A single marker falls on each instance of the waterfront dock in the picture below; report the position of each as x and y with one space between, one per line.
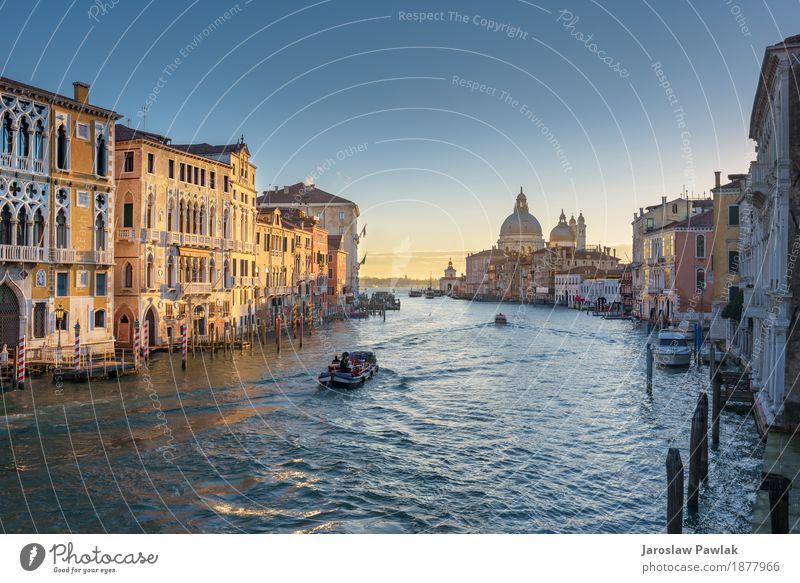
781 465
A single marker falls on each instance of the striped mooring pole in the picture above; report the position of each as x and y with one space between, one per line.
21 363
77 345
183 346
146 341
302 317
136 344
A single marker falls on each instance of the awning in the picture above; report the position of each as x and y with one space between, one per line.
200 253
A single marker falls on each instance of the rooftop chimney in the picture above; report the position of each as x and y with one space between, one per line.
285 190
641 211
664 200
81 92
716 179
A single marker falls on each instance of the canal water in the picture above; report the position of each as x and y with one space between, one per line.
544 425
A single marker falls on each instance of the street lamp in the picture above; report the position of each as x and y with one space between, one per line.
59 323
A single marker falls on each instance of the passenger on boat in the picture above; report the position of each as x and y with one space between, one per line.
344 366
334 365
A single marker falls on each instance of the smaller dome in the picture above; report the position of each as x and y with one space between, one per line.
561 233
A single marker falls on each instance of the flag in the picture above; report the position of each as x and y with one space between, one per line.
363 261
363 232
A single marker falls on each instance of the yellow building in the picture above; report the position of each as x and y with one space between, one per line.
725 258
56 205
185 228
274 264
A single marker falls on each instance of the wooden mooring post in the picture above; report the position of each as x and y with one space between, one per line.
649 366
278 332
712 360
674 491
778 487
302 317
715 409
698 460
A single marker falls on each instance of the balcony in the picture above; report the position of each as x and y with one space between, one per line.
22 253
195 240
759 177
100 257
149 235
174 238
196 288
63 256
126 235
13 162
245 281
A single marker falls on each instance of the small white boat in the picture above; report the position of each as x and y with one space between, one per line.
500 318
672 349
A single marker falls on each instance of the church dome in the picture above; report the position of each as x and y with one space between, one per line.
562 232
521 222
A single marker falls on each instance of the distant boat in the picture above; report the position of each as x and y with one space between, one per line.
430 293
500 318
415 293
672 349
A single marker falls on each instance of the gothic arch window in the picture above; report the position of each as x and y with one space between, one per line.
226 272
171 272
38 228
212 222
700 279
24 138
22 227
194 218
6 231
62 147
213 271
62 236
148 217
150 272
181 217
6 135
203 229
170 212
100 232
38 141
101 156
127 276
700 244
225 226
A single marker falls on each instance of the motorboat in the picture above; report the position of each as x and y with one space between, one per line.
500 318
415 293
363 366
672 349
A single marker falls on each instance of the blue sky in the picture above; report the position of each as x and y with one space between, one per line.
431 126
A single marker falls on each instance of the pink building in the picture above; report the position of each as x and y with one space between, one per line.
677 270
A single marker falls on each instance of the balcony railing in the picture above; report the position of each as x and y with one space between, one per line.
196 240
126 234
759 177
149 235
102 257
22 253
195 288
174 238
14 162
63 256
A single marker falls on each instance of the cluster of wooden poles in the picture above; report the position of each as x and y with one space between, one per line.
698 467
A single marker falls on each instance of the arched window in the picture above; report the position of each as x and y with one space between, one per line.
22 227
170 211
61 147
226 272
212 222
180 217
150 272
148 217
24 138
225 216
194 218
62 238
700 279
100 233
38 141
100 319
6 235
700 244
101 156
171 272
38 228
203 219
127 276
212 275
6 135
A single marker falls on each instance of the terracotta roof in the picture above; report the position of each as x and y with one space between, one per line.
125 134
205 149
51 97
299 194
700 221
